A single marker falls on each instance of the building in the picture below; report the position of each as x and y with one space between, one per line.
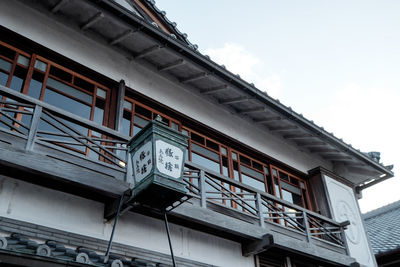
79 77
383 229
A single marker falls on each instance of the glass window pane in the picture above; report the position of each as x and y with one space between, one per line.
277 192
212 145
139 121
16 83
283 176
66 103
223 150
127 105
290 187
253 182
98 115
143 111
185 132
197 138
35 86
207 163
234 156
205 152
174 126
252 172
3 78
292 198
40 65
257 166
245 160
101 93
5 65
126 126
69 90
136 130
63 75
23 60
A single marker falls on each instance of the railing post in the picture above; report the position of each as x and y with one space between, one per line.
342 226
33 127
202 184
259 208
306 227
129 171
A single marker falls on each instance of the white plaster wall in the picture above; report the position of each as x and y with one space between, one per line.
27 202
76 46
344 207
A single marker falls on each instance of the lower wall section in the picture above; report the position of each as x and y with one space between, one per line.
43 213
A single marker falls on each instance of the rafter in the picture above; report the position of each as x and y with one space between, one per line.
194 77
172 65
215 89
92 21
235 100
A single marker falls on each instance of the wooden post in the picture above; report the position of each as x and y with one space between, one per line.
120 106
306 227
259 208
202 184
33 127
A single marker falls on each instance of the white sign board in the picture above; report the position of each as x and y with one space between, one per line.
142 161
169 159
345 208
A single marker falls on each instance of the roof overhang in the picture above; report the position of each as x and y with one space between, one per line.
109 23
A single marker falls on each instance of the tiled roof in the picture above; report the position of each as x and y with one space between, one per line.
383 228
51 249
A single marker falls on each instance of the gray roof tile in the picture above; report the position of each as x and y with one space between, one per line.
383 228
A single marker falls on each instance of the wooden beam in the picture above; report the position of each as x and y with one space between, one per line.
252 110
148 51
323 150
235 100
120 106
298 136
92 21
122 36
213 90
269 119
335 157
57 6
312 144
284 128
194 77
172 65
258 246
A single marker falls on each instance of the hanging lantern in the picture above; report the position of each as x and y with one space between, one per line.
158 157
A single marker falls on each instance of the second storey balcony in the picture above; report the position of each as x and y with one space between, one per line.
49 146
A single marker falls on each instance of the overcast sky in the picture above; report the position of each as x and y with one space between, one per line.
336 62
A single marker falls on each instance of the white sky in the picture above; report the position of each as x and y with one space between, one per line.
336 62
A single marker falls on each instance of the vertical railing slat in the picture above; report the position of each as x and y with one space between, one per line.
202 184
37 112
306 227
260 209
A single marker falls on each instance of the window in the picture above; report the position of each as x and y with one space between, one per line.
47 81
137 115
289 187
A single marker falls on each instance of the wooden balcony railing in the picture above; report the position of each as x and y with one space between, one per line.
41 123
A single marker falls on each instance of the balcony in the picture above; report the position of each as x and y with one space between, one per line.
81 157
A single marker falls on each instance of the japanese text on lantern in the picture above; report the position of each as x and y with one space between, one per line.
169 159
142 161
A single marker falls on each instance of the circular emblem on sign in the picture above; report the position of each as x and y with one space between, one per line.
346 213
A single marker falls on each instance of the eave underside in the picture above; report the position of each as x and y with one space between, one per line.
110 24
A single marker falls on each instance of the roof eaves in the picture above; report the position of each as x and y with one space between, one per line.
382 210
190 51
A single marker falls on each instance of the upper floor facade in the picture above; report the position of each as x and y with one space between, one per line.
80 78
